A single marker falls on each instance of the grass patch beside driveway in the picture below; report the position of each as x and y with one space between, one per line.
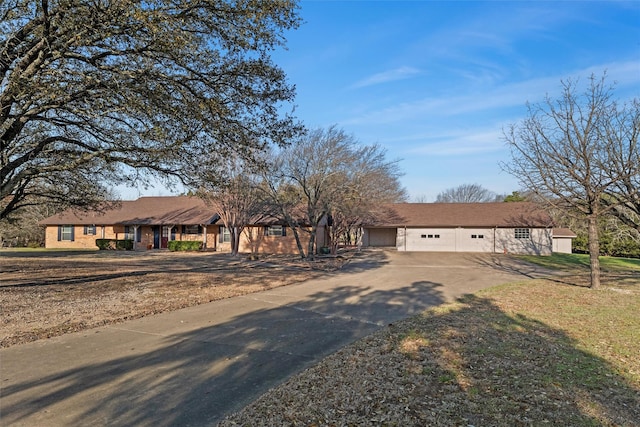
541 352
46 293
580 262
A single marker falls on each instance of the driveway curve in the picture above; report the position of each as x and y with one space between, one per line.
194 366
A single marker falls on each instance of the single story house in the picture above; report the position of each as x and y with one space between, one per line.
519 228
151 222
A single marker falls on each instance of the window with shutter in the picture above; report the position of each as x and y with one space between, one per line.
65 233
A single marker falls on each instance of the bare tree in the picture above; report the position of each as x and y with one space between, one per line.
621 129
97 93
23 228
281 199
235 199
316 165
420 198
466 193
563 151
338 179
328 176
368 183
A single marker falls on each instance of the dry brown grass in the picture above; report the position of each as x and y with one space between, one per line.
46 294
530 354
542 352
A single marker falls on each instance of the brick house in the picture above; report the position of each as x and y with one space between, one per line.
151 222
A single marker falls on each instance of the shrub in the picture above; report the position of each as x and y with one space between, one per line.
126 245
621 247
104 244
113 244
186 245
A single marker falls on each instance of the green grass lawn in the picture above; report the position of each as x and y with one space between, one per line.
568 349
569 262
578 349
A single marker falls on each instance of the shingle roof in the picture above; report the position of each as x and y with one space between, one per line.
166 210
170 210
563 232
513 214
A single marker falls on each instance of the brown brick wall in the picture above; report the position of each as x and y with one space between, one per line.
267 244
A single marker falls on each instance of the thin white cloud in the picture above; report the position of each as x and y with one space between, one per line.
625 74
387 76
474 141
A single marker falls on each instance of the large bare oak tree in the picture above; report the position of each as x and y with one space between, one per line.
579 153
95 92
336 177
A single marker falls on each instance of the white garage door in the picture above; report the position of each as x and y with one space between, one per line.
431 240
447 240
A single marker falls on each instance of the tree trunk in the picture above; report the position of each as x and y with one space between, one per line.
594 251
298 242
235 240
312 242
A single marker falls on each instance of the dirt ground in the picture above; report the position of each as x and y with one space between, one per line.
46 294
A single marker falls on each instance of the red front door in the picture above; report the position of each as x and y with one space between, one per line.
164 238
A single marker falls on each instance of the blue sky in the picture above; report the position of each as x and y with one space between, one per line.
436 82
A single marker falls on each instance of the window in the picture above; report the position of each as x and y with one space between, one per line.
431 236
480 236
522 233
275 230
225 234
437 236
65 232
129 233
474 236
191 229
90 230
423 236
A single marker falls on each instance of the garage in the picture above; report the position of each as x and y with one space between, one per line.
381 237
516 227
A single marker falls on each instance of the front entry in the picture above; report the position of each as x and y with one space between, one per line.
165 237
156 237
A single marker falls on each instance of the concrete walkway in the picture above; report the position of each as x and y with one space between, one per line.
193 366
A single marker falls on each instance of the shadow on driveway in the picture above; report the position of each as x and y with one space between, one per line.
199 376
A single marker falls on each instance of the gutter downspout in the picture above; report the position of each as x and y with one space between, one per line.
494 238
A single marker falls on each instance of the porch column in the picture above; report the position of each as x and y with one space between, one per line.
204 241
135 237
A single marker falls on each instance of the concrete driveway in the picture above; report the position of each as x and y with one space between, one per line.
193 366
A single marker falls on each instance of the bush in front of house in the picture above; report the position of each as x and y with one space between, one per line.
184 245
113 244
